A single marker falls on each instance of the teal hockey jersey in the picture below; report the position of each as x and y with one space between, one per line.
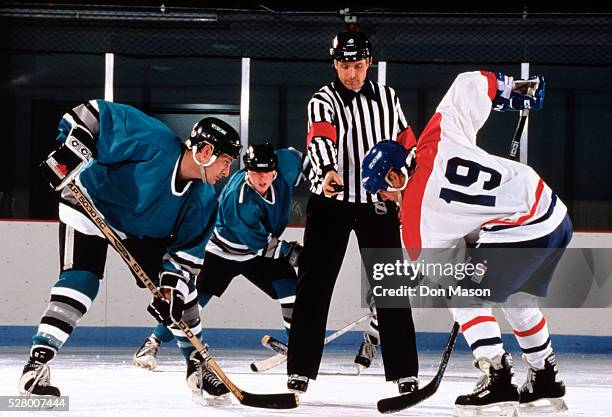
249 224
132 182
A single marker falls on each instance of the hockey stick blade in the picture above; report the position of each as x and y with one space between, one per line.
401 402
268 363
276 401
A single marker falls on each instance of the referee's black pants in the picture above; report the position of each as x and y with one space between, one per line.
328 226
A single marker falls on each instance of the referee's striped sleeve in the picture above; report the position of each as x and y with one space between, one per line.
403 124
321 140
323 156
405 136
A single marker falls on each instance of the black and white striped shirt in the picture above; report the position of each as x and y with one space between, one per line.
343 126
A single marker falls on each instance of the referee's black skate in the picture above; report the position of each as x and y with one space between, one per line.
201 379
366 352
297 384
495 391
36 376
543 391
407 385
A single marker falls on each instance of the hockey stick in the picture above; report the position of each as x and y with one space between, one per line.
524 87
516 139
281 348
281 401
400 402
268 363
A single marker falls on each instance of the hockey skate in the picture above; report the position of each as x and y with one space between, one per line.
205 386
495 393
297 384
366 352
146 356
407 385
36 376
543 390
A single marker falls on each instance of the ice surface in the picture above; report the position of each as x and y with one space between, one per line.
104 383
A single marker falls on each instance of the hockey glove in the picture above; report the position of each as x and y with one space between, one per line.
63 164
293 256
520 94
170 310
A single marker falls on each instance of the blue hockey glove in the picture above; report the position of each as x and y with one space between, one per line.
63 164
520 94
293 256
170 310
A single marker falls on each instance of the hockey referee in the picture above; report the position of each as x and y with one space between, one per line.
345 119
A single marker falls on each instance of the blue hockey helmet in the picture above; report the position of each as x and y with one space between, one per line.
379 161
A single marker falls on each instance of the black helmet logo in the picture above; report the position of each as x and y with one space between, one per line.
217 128
260 158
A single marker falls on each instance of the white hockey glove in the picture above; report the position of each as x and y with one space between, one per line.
63 164
170 310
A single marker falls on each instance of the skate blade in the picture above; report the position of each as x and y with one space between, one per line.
503 409
359 368
205 400
545 405
149 366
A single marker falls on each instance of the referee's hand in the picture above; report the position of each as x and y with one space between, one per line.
331 178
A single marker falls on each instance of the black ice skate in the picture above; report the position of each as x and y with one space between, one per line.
495 392
297 384
543 390
146 356
36 376
407 385
366 352
200 379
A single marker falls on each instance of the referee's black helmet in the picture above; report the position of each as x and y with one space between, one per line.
351 45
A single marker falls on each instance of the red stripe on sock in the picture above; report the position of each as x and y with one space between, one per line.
533 330
475 321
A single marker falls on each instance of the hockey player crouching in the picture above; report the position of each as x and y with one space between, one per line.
448 187
254 211
156 192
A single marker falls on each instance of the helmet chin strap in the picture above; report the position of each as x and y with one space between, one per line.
406 178
202 165
399 200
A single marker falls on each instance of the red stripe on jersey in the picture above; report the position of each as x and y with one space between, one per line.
407 138
533 330
532 212
427 149
477 320
324 129
492 81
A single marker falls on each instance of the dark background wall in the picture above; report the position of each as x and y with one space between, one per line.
53 59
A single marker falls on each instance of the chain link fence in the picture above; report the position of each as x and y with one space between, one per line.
551 39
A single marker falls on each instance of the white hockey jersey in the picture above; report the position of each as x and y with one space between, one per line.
458 188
